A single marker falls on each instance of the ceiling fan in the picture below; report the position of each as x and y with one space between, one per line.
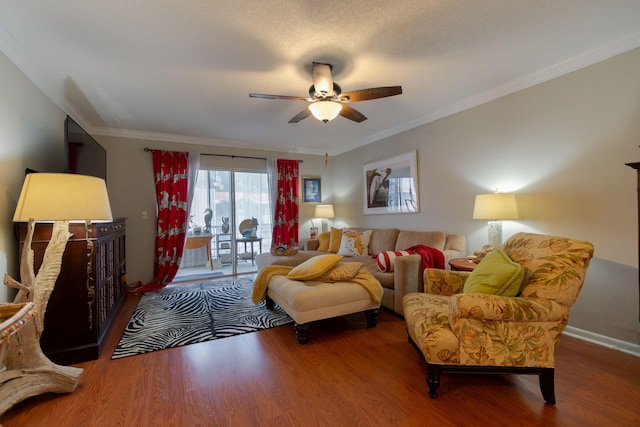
326 99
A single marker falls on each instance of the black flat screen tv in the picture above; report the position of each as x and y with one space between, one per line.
83 154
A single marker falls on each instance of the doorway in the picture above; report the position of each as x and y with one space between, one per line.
229 224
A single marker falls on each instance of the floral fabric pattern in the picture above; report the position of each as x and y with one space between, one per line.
285 223
170 172
453 328
354 242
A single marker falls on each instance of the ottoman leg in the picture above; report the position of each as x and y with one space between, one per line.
302 332
269 303
372 318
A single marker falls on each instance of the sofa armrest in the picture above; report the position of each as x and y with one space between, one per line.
444 282
494 307
310 244
407 278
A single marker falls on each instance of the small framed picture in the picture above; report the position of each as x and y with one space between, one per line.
313 232
311 191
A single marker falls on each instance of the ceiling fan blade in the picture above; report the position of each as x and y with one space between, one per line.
371 93
352 114
322 79
285 97
301 115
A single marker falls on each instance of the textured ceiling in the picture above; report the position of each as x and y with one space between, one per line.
181 70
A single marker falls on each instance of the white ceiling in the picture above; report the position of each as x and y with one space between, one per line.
182 70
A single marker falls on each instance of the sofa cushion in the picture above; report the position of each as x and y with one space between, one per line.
496 274
335 236
383 240
354 242
342 272
407 239
386 259
314 267
323 241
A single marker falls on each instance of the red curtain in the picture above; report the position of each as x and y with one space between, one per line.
170 172
285 225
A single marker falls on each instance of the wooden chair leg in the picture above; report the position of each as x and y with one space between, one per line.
302 332
547 386
372 318
433 380
269 303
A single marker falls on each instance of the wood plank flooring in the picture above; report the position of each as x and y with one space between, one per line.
346 376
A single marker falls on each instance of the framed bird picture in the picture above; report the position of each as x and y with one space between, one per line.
391 185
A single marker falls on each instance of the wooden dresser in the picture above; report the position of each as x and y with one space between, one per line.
89 291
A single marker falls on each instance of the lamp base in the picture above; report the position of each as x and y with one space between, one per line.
325 225
495 234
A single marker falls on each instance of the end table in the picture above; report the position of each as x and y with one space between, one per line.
462 264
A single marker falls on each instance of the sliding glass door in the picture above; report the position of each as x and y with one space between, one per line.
231 217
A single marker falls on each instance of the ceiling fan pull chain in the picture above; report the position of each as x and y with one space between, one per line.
326 151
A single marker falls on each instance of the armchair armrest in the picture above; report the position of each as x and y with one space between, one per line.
407 278
494 307
506 331
444 282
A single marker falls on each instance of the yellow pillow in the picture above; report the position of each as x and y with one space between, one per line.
323 242
342 272
334 239
314 267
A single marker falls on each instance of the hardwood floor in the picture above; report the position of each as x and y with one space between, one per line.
346 376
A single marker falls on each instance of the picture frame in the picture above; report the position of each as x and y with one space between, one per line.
391 185
311 190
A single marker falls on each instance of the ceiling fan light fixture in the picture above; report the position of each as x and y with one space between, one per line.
325 110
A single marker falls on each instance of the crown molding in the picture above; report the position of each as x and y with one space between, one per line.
28 67
516 85
184 139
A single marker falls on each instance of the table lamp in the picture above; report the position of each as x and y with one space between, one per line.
57 198
495 207
324 212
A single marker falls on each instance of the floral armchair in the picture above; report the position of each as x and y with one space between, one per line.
458 331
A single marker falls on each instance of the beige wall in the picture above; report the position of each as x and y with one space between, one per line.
131 190
561 146
31 136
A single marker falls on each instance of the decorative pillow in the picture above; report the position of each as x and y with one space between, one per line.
386 259
496 274
314 267
342 272
323 242
334 239
354 242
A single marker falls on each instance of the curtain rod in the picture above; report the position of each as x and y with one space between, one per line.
147 149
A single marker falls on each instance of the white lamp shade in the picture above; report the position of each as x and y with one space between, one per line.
324 211
495 206
63 197
325 110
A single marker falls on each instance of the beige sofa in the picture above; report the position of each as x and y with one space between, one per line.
407 274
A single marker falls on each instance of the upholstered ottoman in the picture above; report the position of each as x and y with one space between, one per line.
321 293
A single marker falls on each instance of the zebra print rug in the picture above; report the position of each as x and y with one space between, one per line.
189 314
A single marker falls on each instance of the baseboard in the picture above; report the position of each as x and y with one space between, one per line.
603 340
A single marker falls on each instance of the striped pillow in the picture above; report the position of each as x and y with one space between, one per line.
386 259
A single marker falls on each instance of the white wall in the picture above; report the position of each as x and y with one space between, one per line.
561 147
31 136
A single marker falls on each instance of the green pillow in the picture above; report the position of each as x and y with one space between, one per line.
496 274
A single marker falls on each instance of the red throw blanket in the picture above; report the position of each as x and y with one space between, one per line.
431 257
